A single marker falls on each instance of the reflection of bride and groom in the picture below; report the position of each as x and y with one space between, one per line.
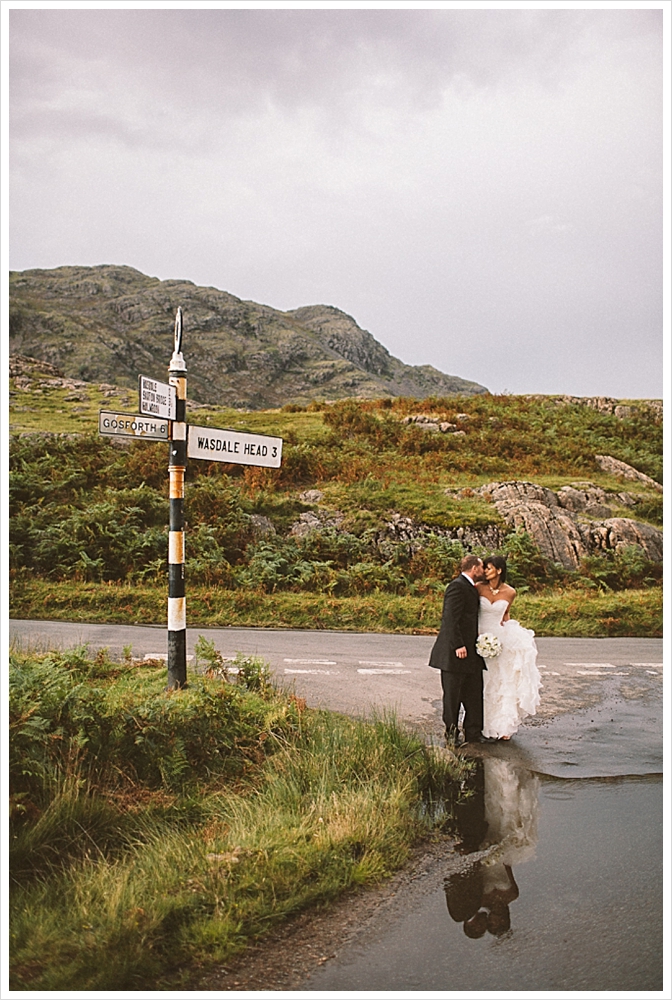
497 692
499 820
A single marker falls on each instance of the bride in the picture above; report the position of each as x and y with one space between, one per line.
512 681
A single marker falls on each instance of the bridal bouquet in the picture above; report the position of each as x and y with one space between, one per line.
488 646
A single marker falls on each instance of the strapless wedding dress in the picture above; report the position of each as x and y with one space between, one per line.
512 681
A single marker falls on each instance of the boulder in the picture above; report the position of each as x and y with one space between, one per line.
517 492
589 500
311 496
319 520
615 533
617 468
554 530
261 526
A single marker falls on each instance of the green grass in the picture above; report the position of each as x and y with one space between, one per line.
569 611
201 820
49 410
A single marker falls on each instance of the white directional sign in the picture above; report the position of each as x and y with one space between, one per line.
215 445
156 398
133 425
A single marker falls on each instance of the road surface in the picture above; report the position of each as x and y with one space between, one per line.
601 711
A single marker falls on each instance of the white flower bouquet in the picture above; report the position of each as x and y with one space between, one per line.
488 646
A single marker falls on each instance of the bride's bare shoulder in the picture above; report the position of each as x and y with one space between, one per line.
509 592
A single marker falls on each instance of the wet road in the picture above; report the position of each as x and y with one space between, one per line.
563 893
601 711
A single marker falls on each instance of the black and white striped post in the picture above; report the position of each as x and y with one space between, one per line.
177 611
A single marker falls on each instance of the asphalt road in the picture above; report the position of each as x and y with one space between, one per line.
602 703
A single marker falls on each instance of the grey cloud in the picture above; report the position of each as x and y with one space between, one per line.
301 57
472 185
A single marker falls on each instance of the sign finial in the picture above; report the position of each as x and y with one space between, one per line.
178 330
177 365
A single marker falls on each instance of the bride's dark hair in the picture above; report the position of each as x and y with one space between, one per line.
499 562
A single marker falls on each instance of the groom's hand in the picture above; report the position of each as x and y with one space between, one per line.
461 653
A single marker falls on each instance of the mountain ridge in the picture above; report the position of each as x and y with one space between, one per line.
110 323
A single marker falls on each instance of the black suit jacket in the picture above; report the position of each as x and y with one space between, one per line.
459 627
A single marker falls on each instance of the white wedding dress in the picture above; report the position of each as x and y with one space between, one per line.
512 681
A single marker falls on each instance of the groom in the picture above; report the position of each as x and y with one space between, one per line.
454 654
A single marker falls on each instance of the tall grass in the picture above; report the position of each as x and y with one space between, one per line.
551 611
126 877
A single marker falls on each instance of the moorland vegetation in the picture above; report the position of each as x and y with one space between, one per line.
361 527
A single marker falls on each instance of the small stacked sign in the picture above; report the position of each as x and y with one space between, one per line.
156 398
162 418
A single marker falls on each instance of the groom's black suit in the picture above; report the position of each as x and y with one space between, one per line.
461 679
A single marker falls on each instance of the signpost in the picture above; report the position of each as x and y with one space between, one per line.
162 417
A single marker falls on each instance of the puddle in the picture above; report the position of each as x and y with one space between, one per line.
556 886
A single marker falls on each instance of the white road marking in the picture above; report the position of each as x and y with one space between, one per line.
325 663
660 665
382 670
380 663
603 673
300 670
654 672
595 666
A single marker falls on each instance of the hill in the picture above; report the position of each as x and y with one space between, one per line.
110 324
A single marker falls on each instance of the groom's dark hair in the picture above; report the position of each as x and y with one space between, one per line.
468 563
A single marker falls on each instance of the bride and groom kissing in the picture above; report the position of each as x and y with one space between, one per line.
499 691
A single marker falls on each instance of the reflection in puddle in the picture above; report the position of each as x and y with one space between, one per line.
499 816
558 888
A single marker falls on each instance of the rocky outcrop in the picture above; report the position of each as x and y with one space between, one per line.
36 376
429 422
614 407
318 520
578 520
563 524
396 530
617 532
21 366
617 468
401 530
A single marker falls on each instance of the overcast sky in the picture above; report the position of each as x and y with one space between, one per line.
480 188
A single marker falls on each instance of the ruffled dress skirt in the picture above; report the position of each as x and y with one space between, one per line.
512 682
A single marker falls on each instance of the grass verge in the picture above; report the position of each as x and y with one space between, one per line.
156 833
562 612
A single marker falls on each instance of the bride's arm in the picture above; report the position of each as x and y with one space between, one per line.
508 607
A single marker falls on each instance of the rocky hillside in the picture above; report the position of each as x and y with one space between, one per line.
110 324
